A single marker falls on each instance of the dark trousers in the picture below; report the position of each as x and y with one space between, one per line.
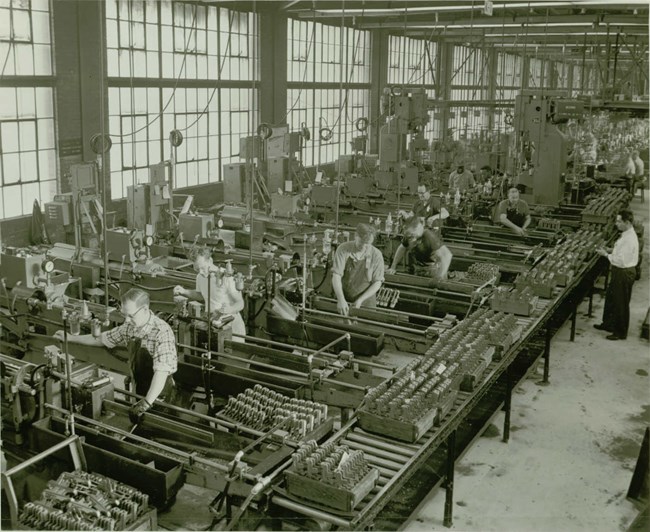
616 315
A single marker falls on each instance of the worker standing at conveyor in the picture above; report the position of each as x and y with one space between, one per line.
224 299
357 271
426 249
152 350
514 213
427 208
623 259
461 180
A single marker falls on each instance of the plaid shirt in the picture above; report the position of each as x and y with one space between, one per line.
157 337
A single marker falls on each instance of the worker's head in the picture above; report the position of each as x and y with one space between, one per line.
423 192
635 154
413 228
364 236
202 258
486 172
135 304
460 168
624 220
513 194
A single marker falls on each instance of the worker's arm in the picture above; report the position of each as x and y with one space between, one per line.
527 222
157 385
192 295
236 298
371 291
399 255
510 225
337 285
84 339
443 256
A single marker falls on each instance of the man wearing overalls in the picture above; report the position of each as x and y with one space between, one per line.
514 213
357 271
152 350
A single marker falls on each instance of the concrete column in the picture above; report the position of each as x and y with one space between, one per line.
525 72
378 80
491 96
273 65
444 74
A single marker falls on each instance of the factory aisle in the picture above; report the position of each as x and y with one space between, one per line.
573 445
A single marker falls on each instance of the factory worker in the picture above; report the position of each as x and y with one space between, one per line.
357 271
225 299
427 207
461 179
425 248
152 350
623 259
514 212
639 166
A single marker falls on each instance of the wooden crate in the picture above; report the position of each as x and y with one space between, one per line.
445 406
518 307
339 498
394 428
472 377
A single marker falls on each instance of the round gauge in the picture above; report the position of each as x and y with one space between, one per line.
219 223
307 201
48 266
148 241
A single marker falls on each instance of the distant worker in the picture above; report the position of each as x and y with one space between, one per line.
152 350
461 180
514 212
623 259
425 248
225 299
427 207
639 169
357 271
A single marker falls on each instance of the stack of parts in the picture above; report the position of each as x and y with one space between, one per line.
85 501
261 409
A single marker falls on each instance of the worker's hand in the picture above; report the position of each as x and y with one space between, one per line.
520 231
357 303
602 252
343 307
58 335
136 412
180 291
390 271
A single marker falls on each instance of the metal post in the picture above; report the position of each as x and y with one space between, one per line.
449 486
68 371
591 299
574 318
547 354
507 406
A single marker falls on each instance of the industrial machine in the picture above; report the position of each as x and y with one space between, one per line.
543 148
149 206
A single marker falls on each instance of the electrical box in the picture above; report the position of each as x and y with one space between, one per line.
121 243
292 143
58 212
390 147
285 205
385 179
138 206
250 148
83 176
563 110
158 174
278 169
22 269
410 180
324 195
195 225
345 164
234 182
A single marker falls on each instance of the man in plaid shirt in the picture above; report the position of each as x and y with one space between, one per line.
152 349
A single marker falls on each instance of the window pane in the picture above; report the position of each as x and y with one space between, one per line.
44 106
28 166
22 31
11 168
45 134
27 132
12 202
9 137
41 27
30 193
47 164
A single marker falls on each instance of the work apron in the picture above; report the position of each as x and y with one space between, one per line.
356 280
517 218
141 363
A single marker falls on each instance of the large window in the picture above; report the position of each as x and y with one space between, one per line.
508 79
28 159
535 73
411 61
197 47
317 55
469 80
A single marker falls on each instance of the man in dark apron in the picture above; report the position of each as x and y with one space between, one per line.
357 271
513 213
152 350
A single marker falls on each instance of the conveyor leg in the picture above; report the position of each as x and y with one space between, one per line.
591 300
547 355
507 405
574 319
449 487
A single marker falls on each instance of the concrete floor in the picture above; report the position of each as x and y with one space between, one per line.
573 445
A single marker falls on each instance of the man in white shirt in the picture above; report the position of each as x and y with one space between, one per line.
639 166
623 259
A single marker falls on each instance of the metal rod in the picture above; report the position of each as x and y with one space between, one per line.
341 338
34 459
353 436
68 370
574 318
507 405
398 313
449 485
547 353
310 512
371 322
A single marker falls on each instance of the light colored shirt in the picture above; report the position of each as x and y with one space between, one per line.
224 297
626 250
630 168
638 167
156 337
373 257
462 182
